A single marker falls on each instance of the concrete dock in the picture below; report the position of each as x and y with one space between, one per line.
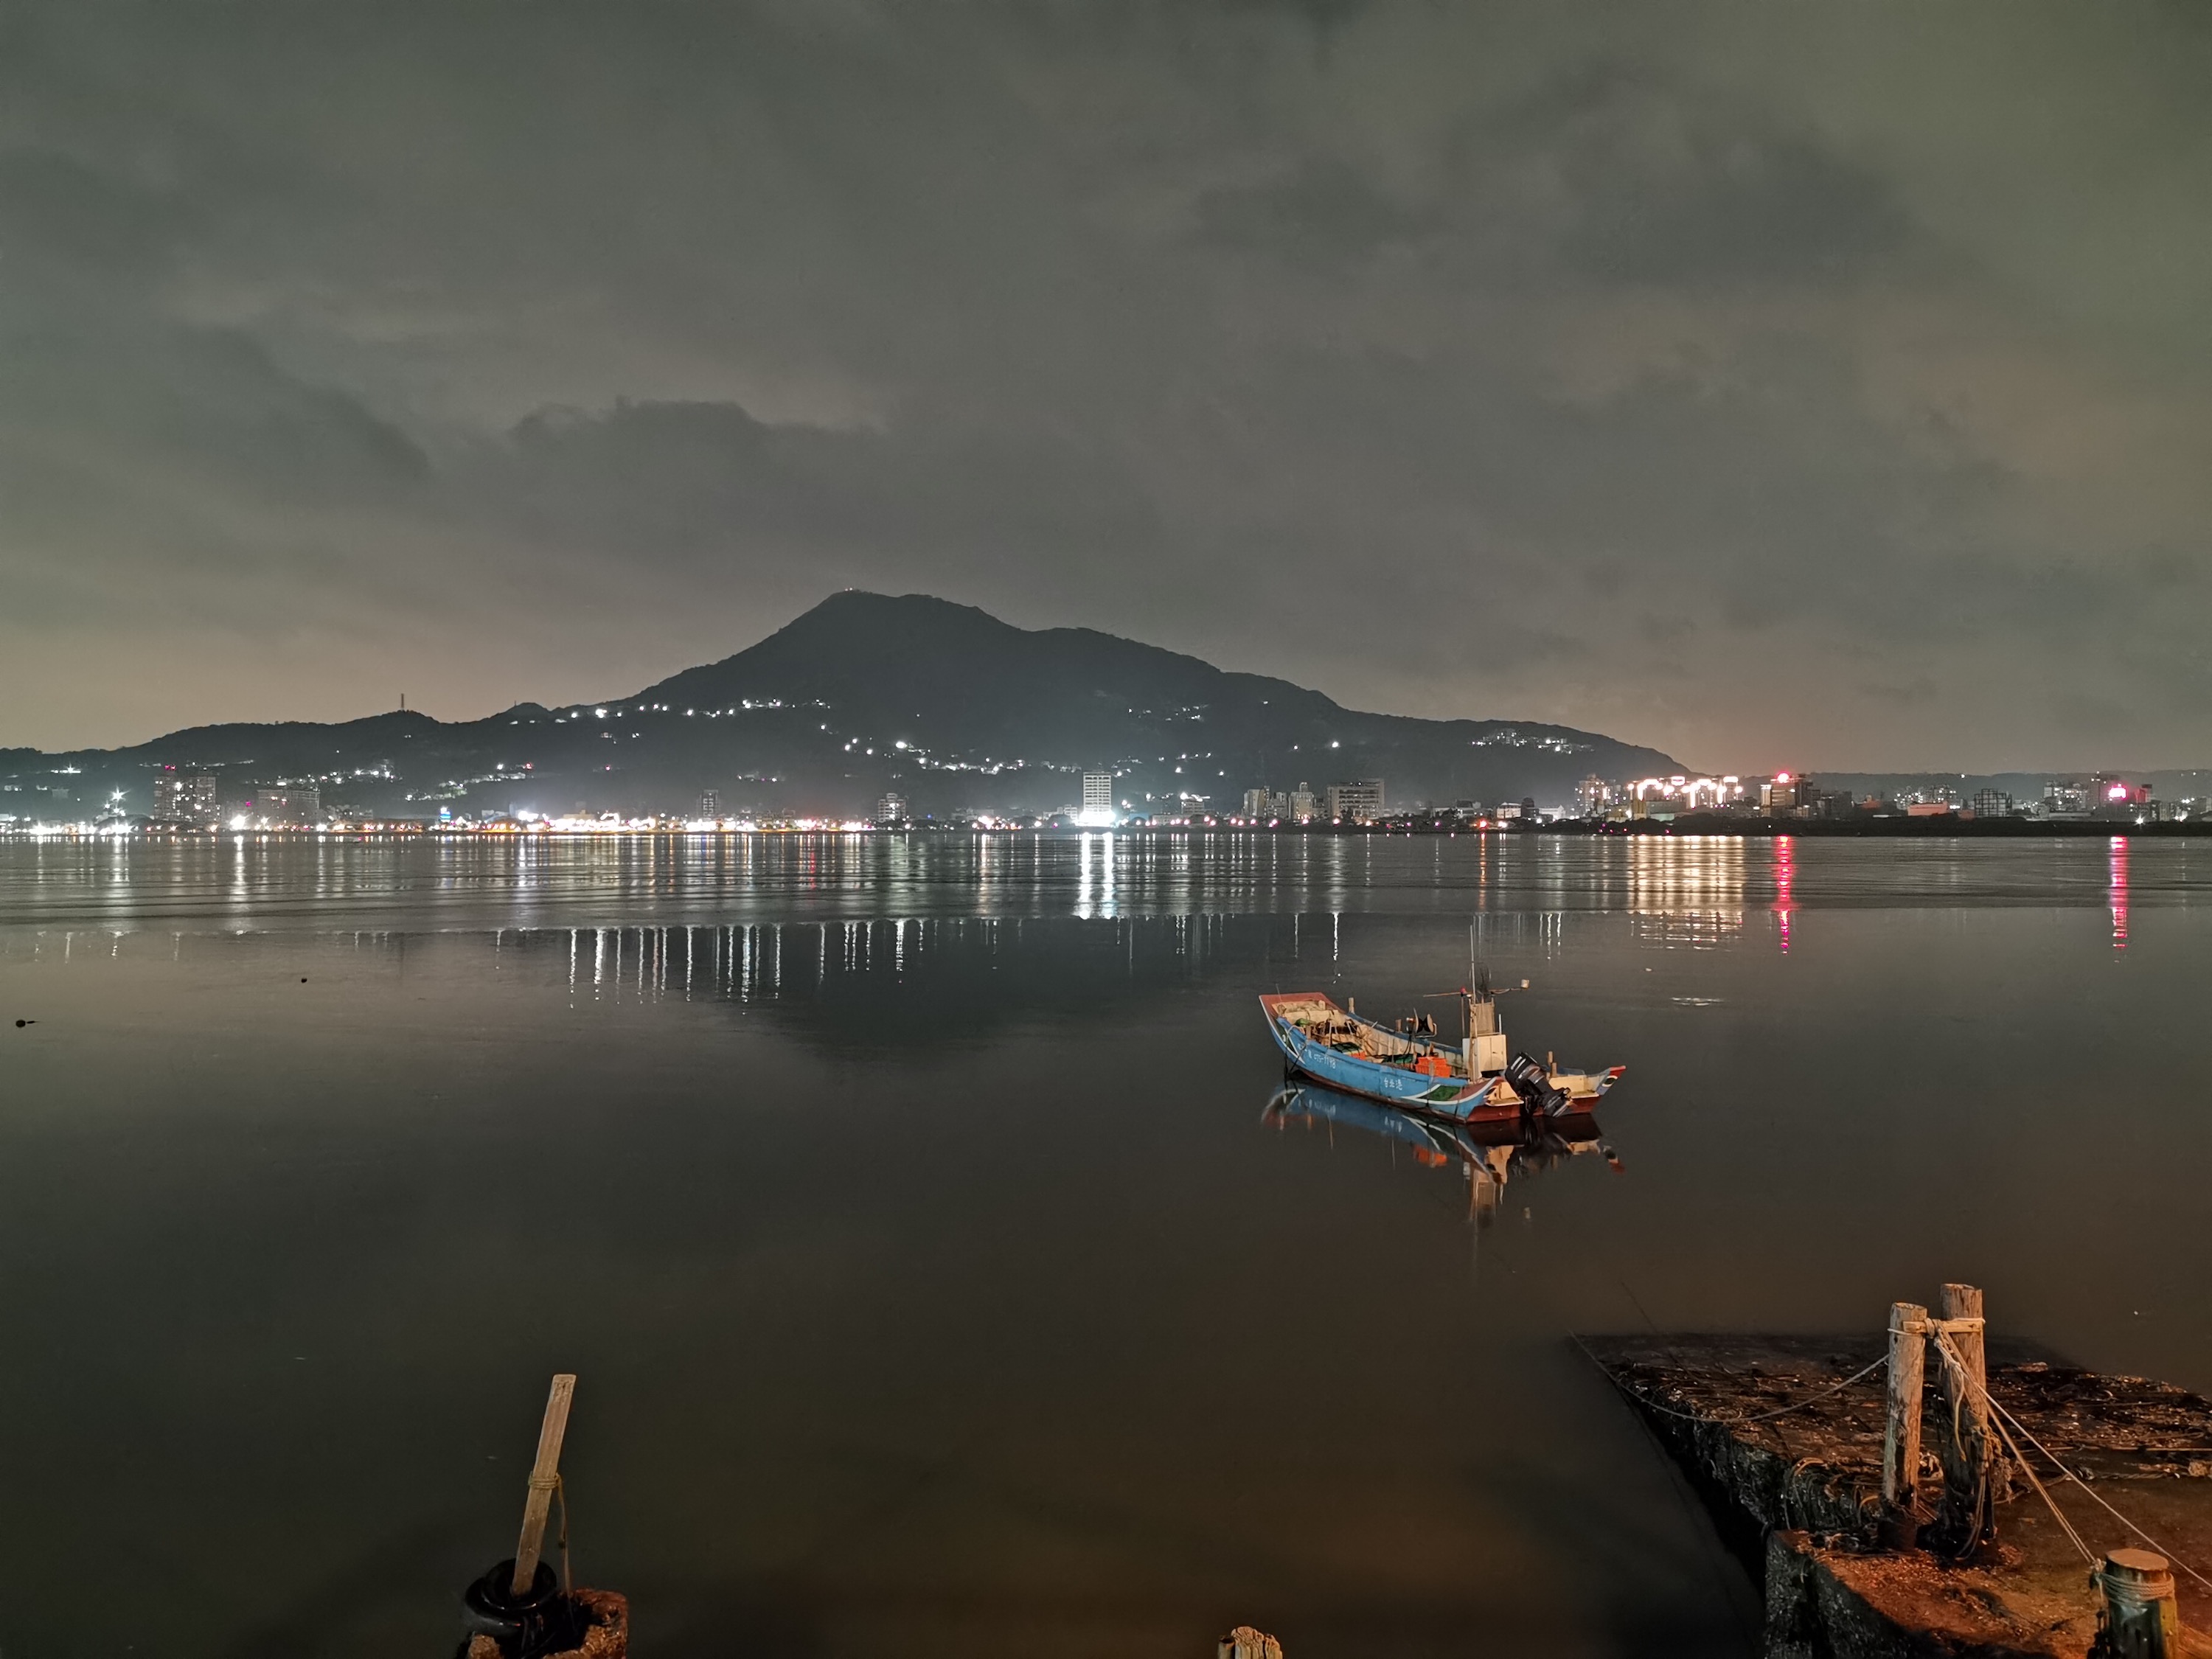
1791 1466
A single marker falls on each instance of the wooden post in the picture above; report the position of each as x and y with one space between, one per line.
2141 1618
1971 1469
1901 1440
544 1475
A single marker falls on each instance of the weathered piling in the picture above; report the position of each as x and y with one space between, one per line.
2141 1616
1900 1446
1804 1446
1966 1519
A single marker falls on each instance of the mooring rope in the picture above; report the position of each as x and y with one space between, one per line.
1951 1357
2000 1417
561 1492
2049 1502
1983 1508
1732 1422
1955 1364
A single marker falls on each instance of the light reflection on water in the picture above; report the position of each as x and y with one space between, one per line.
901 1202
1703 884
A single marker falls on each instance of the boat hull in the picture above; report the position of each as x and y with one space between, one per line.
1451 1095
1454 1097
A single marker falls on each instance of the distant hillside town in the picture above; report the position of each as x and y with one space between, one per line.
873 711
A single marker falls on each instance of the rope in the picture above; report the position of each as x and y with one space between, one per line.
561 1492
1731 1422
2099 1498
2000 1413
1953 1361
1984 1512
2049 1502
554 1484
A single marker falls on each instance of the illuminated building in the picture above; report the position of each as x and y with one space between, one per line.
1356 803
891 809
710 804
2113 797
1665 798
1097 800
287 803
185 797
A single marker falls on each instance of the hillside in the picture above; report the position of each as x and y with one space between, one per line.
943 702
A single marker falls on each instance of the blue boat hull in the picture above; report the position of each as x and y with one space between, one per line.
1394 1085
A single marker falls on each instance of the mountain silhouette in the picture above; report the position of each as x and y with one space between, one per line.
865 693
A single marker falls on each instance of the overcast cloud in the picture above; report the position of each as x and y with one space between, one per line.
1815 384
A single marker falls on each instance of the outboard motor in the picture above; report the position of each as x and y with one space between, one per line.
1533 1085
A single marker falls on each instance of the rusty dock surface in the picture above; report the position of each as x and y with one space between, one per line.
1791 1466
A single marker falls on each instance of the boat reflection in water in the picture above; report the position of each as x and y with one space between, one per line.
1489 1152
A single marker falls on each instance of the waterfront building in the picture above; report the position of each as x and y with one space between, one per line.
891 809
288 803
1668 797
1258 803
710 804
184 796
2066 797
1302 805
2113 797
1097 800
1356 803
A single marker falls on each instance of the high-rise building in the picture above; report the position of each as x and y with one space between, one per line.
184 796
1991 804
1097 800
1356 803
891 809
710 804
1257 803
1302 805
1778 794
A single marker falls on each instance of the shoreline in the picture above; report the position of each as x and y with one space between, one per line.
1698 827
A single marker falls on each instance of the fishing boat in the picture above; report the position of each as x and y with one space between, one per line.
1408 1066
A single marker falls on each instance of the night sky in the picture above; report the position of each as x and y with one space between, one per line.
1827 384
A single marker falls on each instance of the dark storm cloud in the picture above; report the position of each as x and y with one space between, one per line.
1708 376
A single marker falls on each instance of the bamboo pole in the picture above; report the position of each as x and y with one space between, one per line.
1901 1440
545 1476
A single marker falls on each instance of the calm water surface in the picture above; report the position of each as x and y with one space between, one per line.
937 1282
